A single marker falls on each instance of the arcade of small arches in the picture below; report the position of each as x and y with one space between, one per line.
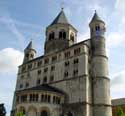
43 111
61 35
40 98
33 111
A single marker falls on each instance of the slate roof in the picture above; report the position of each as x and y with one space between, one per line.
61 18
96 18
30 46
43 87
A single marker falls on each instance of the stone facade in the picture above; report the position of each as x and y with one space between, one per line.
70 79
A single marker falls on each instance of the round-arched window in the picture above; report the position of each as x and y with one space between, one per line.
72 37
69 114
62 34
51 36
44 113
45 79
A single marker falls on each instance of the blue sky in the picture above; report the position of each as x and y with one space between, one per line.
23 20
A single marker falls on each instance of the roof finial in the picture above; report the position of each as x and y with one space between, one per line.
95 11
31 39
62 5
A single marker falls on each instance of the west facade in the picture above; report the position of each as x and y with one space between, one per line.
70 79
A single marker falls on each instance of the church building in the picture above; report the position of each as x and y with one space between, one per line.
70 79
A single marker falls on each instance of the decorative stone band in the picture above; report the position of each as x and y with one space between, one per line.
66 79
100 56
104 77
88 103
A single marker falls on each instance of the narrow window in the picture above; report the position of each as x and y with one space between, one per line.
51 78
27 84
45 80
49 98
53 35
38 82
45 70
60 34
75 72
27 55
67 54
46 61
52 68
39 72
54 58
72 37
77 51
66 63
39 63
23 68
30 66
21 86
64 35
76 61
50 36
66 74
42 97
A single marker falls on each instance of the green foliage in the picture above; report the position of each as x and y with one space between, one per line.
20 114
119 112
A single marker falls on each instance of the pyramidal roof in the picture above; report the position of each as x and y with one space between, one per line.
96 18
30 46
61 18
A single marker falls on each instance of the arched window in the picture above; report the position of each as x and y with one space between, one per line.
27 84
45 79
48 98
38 81
62 34
97 28
31 56
54 98
72 37
51 35
44 113
27 55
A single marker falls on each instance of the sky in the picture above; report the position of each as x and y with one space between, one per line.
23 20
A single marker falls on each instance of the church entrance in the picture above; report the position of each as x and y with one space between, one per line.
70 114
44 113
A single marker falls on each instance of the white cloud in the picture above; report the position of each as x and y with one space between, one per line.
10 58
118 84
10 24
115 39
119 5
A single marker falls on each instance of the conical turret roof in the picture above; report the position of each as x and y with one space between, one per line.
30 46
96 18
61 18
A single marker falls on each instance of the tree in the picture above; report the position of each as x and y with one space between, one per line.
20 114
2 110
119 112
